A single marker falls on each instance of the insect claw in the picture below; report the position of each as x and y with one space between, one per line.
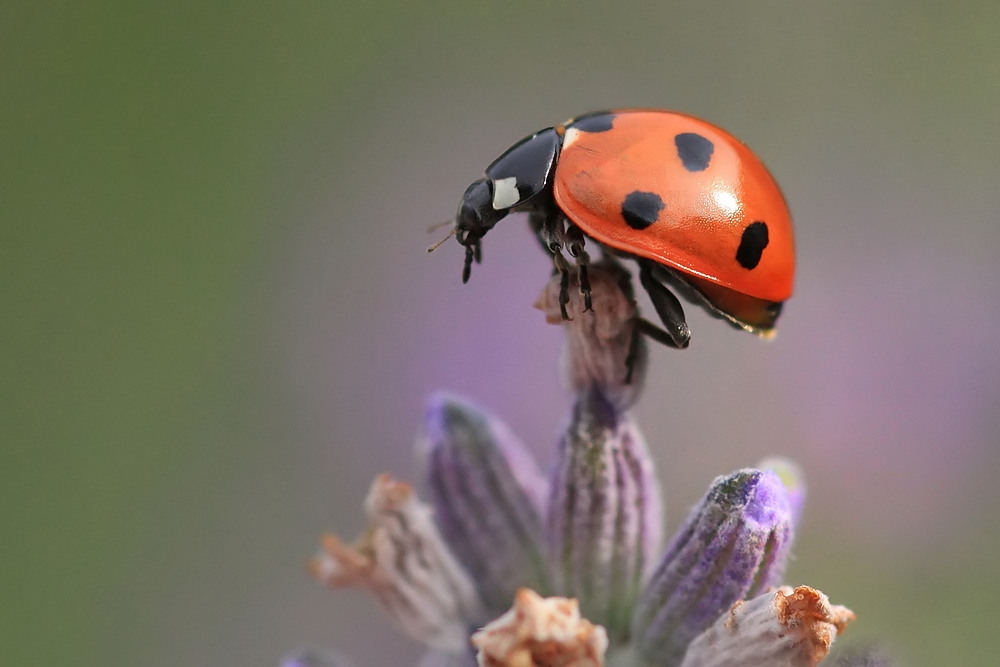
564 293
582 263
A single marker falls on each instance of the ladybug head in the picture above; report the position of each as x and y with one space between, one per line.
476 214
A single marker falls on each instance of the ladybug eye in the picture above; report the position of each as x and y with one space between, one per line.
752 245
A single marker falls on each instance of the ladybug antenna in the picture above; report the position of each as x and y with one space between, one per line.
441 242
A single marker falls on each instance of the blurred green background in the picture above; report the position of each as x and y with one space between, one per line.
219 321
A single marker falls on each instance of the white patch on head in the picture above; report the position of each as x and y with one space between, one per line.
572 134
505 193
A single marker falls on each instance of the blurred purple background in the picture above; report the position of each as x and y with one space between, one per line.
330 139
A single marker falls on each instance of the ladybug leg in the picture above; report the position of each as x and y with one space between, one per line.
562 266
539 222
677 334
548 227
473 251
657 333
467 268
575 241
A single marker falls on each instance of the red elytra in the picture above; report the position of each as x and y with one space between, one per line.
705 212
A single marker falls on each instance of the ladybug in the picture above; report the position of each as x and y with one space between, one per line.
690 203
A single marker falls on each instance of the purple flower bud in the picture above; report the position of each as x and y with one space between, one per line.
733 546
794 480
604 518
487 494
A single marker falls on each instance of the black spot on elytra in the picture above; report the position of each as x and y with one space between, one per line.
752 245
596 122
641 209
694 150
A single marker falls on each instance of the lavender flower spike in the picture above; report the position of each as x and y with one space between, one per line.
733 546
487 494
604 519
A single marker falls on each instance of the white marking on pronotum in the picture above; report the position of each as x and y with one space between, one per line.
505 193
572 134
